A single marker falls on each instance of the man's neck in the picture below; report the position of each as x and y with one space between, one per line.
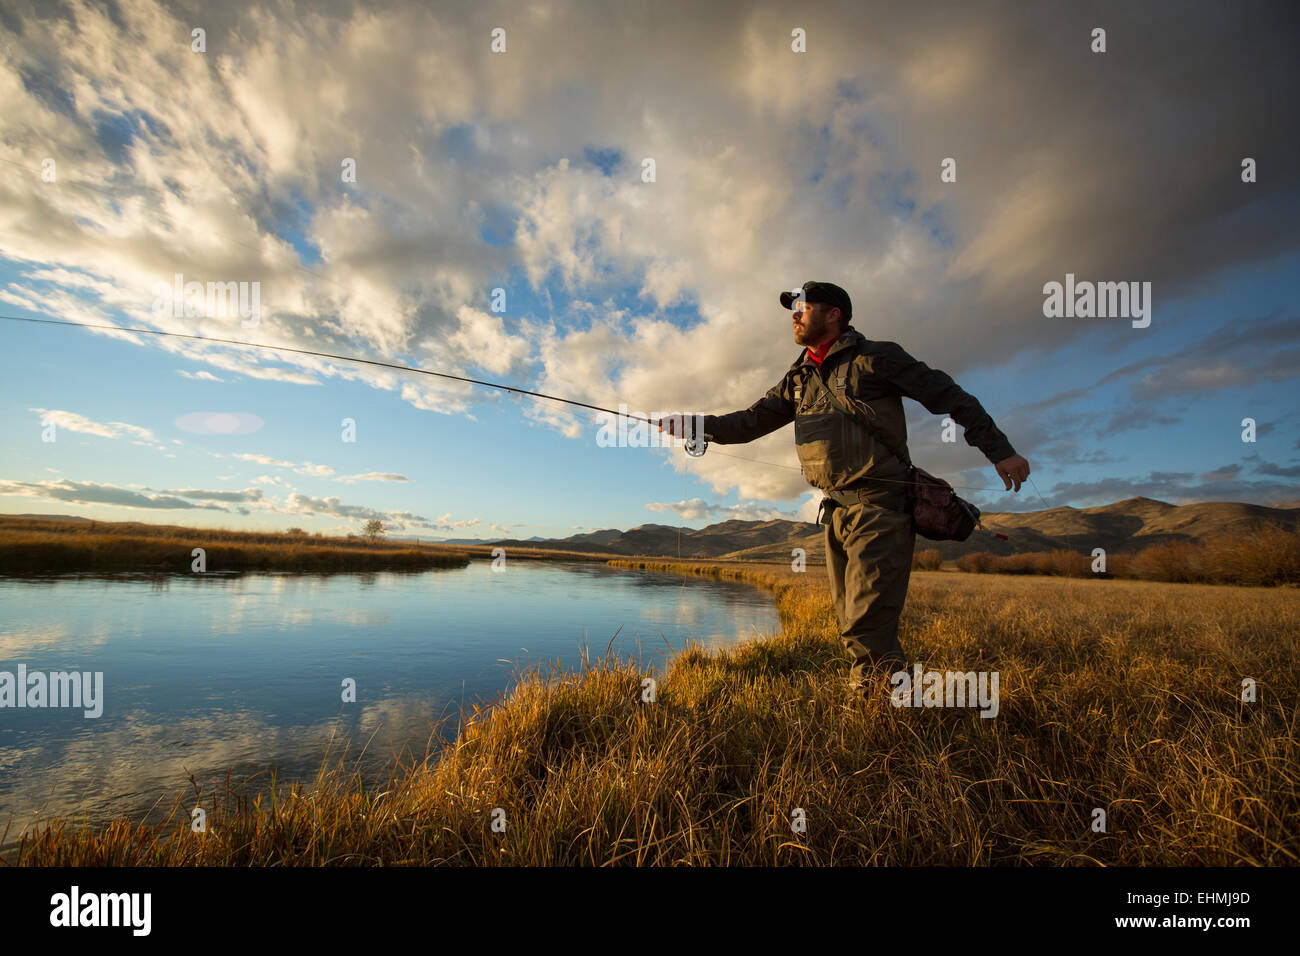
818 352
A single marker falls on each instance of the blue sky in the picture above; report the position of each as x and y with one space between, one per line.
522 171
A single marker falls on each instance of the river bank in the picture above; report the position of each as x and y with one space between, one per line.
1127 703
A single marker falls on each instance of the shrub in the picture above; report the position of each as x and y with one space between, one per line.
931 559
1261 558
1174 561
977 562
1269 556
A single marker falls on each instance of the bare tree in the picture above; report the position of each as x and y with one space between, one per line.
374 529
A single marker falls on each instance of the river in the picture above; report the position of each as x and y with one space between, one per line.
245 673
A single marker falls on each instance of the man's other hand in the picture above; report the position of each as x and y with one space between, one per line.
1012 469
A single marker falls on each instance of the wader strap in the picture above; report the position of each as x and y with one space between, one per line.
851 497
841 400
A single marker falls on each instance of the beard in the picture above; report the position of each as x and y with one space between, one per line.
813 329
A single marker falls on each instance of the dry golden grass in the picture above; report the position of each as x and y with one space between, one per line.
1118 695
36 545
1058 562
1267 556
41 545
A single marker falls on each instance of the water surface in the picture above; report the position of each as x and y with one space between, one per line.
208 673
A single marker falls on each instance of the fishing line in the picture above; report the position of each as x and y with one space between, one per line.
684 472
1039 493
447 375
329 355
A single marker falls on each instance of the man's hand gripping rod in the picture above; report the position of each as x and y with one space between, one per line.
693 444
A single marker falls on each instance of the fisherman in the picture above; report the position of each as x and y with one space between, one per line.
858 461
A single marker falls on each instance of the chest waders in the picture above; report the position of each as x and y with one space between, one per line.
869 536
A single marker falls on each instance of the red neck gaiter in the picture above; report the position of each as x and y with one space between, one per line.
819 353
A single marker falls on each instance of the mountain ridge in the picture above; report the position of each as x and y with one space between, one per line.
1123 526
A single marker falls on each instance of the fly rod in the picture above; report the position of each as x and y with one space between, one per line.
693 448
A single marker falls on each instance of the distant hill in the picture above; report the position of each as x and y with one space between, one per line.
1124 526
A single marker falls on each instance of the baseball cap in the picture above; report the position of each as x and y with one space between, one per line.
824 292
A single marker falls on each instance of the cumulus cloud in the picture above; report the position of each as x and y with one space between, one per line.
241 497
446 523
1268 468
75 422
477 171
313 470
395 520
94 493
242 502
302 468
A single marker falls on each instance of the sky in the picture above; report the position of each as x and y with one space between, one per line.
603 202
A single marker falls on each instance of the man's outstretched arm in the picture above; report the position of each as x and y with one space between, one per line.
941 395
769 413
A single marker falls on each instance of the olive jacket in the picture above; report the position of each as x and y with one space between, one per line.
836 451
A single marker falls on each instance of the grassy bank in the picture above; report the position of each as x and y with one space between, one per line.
34 545
1117 695
41 545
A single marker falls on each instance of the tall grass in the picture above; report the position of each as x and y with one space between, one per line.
1058 562
1260 558
1119 695
37 545
1269 556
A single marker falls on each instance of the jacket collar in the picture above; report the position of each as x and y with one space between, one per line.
849 340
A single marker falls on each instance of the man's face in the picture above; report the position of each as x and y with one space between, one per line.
812 322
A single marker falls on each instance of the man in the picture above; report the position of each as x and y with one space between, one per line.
844 394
